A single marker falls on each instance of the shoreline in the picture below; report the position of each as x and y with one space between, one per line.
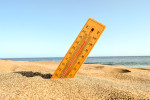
128 61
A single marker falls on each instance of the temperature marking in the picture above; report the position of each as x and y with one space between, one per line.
79 50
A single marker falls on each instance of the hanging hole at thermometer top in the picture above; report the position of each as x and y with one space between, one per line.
92 29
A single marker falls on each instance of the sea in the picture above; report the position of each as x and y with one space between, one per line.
129 61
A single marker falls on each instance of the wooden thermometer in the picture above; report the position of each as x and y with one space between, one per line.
79 50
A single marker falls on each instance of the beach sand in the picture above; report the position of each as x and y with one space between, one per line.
31 80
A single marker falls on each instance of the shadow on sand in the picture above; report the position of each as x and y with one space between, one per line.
33 74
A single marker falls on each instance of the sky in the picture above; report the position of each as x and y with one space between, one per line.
47 28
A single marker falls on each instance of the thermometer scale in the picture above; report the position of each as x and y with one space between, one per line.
79 50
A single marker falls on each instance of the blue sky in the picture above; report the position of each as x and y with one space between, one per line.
47 28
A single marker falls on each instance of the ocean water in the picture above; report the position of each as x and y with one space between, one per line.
129 61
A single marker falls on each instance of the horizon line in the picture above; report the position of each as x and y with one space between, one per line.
87 57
